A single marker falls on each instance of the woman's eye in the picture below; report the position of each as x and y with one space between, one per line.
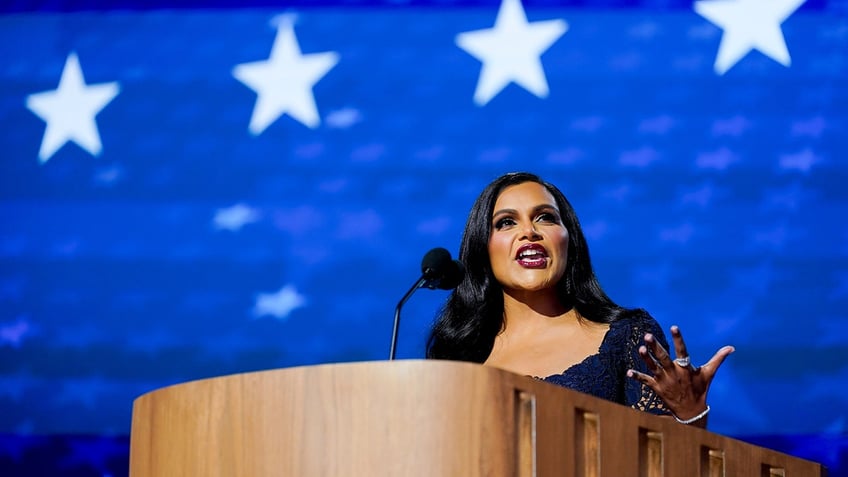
504 222
547 217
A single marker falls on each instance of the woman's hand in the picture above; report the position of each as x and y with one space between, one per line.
682 386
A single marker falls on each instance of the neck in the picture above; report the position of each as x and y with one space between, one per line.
533 307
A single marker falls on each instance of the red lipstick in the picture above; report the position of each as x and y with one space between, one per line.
532 255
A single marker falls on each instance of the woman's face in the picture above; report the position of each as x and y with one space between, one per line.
528 245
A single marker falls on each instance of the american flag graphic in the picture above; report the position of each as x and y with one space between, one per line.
198 188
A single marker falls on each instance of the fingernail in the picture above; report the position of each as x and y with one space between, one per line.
629 373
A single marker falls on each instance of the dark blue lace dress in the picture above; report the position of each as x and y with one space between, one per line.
604 374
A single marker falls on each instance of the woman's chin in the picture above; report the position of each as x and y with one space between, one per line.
534 288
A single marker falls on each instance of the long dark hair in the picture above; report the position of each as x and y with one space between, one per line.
467 325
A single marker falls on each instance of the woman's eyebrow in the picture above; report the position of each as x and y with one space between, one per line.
504 211
536 209
545 207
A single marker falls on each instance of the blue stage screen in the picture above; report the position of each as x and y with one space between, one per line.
188 191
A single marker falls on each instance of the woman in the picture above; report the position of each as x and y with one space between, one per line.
530 303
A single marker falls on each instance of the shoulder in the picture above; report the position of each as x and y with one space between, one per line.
636 320
632 326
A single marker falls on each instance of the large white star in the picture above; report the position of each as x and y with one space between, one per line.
69 111
511 51
748 25
284 82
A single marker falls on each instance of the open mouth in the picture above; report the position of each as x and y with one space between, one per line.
532 256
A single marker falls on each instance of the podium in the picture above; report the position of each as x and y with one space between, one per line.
420 418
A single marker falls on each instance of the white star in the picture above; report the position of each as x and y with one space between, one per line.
643 157
13 334
748 25
735 126
802 161
718 160
108 176
284 82
278 304
235 217
511 51
702 196
344 118
69 110
776 236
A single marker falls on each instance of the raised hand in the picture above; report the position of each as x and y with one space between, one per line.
682 386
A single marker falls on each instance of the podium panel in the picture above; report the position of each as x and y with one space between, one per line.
420 418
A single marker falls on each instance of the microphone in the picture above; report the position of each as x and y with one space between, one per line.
438 270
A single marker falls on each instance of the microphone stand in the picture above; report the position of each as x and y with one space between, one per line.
420 283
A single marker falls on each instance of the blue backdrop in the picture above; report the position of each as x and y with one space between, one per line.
192 190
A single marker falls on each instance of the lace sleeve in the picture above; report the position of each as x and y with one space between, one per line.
637 395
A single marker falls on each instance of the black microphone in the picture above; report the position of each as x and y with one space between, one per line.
438 270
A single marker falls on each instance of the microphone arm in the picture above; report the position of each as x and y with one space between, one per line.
437 271
420 283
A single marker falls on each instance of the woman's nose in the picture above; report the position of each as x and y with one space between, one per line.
530 232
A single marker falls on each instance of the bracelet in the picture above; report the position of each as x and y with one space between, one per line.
692 419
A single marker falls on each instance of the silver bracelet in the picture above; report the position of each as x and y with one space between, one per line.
692 419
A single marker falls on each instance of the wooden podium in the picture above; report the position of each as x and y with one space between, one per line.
420 418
